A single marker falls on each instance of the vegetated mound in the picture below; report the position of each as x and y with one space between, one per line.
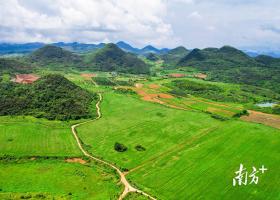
268 61
52 54
112 58
225 57
152 57
51 97
173 56
228 64
14 65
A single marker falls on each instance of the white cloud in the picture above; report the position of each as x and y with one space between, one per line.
136 21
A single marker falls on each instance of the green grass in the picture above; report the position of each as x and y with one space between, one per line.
189 155
27 136
58 179
131 121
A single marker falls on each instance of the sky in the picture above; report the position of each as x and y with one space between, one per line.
247 24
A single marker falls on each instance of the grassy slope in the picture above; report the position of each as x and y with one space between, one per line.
189 154
36 137
57 178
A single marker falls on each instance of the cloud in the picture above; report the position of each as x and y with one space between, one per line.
137 21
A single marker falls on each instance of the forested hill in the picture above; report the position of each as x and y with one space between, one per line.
51 55
228 64
112 58
51 97
173 56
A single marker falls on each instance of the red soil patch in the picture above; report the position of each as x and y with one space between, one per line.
201 76
88 76
177 75
165 96
26 78
76 160
154 86
263 118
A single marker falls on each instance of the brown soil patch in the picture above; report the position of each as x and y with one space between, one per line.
154 86
201 76
76 160
26 78
165 96
177 75
88 76
263 118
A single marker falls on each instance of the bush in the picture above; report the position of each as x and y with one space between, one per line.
140 148
120 147
219 117
243 112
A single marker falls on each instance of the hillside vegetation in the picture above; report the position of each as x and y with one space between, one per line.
228 64
11 65
173 56
52 97
52 54
112 58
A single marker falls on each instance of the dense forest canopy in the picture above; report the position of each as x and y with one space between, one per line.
51 97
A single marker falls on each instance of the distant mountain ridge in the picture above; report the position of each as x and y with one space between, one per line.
9 48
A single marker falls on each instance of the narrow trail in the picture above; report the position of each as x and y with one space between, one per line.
127 187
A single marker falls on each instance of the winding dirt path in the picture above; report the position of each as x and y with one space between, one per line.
127 187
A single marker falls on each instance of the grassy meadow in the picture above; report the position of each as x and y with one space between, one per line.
188 155
56 179
28 136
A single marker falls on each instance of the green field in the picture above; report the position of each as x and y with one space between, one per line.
189 155
56 179
28 136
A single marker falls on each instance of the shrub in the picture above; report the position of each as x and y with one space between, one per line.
219 117
120 147
140 148
241 113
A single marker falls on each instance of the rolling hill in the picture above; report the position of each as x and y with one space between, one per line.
112 58
173 56
51 97
228 64
52 54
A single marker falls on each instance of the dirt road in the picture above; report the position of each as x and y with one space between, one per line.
127 187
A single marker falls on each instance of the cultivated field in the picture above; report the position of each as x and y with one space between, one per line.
27 136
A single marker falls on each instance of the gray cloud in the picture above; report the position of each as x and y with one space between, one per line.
165 23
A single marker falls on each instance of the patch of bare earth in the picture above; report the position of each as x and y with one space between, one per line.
176 75
88 76
154 86
201 76
26 78
138 85
263 118
76 160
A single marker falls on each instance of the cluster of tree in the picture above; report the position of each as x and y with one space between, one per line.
51 97
245 94
228 64
120 147
112 58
